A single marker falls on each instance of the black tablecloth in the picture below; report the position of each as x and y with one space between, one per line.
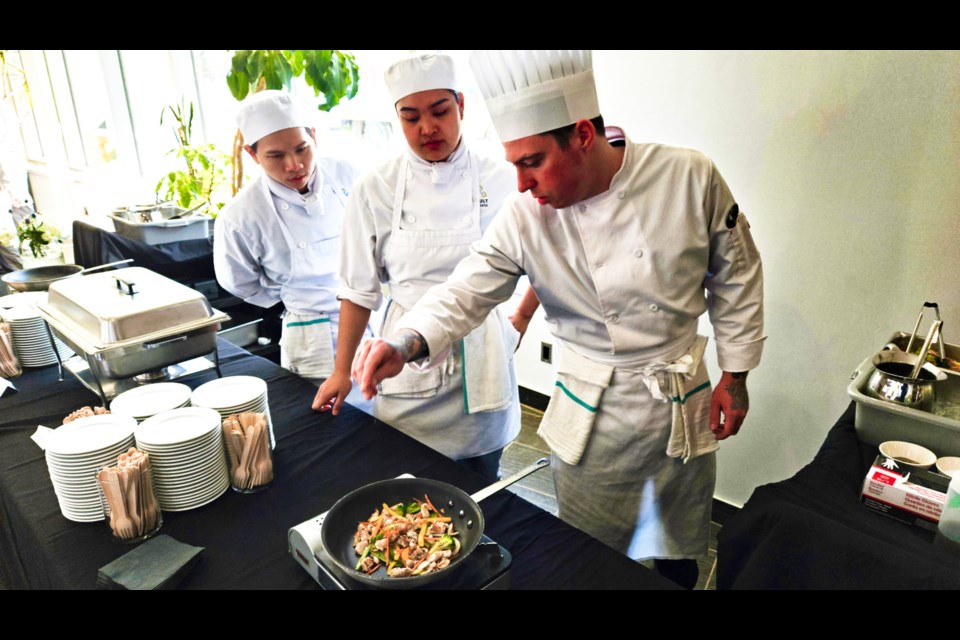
318 459
812 532
186 260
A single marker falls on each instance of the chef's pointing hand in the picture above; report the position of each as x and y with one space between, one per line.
731 400
378 359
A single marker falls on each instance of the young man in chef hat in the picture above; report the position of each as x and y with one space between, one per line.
626 247
278 240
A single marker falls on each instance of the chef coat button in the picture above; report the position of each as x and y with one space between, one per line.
654 307
284 206
411 219
582 208
302 245
464 175
598 265
638 253
614 318
465 220
621 195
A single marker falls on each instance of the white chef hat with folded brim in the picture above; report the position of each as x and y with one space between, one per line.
420 73
270 111
531 92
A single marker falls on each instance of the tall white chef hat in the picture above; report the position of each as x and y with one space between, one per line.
531 92
270 111
420 73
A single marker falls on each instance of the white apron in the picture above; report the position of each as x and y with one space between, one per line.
630 485
308 341
468 406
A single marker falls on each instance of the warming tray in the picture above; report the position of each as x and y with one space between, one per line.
124 308
131 322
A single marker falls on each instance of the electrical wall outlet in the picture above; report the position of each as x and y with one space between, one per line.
546 352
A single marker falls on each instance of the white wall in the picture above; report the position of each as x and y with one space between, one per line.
848 166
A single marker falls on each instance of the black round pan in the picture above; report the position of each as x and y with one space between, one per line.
340 523
40 278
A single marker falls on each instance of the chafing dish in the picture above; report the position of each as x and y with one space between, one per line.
130 322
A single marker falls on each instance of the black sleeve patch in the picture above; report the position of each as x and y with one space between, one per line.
732 216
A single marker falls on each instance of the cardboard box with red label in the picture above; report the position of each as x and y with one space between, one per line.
914 497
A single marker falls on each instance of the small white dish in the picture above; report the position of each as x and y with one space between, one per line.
908 455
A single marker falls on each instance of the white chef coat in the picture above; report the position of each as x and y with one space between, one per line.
408 224
273 244
623 277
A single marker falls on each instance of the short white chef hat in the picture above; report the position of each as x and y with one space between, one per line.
270 111
531 92
420 73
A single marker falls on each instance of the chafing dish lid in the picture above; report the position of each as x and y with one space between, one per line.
101 310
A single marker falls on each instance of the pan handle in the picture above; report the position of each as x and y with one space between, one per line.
106 266
509 480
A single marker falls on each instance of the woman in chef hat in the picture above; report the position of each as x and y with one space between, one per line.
408 223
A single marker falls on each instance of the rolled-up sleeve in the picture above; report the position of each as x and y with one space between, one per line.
238 268
359 274
735 283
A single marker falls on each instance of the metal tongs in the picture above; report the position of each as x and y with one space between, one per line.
935 328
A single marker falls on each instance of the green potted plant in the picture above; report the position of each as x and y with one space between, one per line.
43 242
204 172
329 72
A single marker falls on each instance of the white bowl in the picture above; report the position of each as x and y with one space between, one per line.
908 455
949 466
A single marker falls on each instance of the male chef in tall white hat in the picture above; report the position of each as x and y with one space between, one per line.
278 240
625 247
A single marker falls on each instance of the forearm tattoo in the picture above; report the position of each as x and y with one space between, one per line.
411 345
737 390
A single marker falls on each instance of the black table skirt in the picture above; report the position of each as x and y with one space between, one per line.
811 532
318 459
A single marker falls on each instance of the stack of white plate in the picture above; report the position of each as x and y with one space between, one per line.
76 451
22 299
235 394
186 457
149 400
31 344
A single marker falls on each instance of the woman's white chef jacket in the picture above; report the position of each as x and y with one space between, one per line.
408 224
273 245
622 278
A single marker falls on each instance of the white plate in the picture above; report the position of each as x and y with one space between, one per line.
89 435
24 298
196 502
175 462
232 391
181 450
198 475
177 426
183 494
151 399
89 457
185 458
25 315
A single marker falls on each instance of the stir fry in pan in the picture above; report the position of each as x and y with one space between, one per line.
411 539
